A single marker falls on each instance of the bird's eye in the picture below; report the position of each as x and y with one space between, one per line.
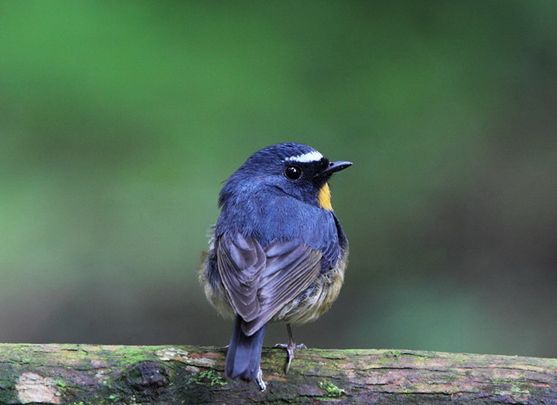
293 172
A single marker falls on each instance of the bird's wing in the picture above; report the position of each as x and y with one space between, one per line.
259 282
241 262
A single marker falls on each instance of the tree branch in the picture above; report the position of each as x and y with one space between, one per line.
88 374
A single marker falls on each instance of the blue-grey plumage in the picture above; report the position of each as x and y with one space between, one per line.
277 251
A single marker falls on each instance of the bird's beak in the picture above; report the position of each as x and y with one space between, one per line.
335 167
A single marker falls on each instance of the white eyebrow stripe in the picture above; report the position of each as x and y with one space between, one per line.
313 156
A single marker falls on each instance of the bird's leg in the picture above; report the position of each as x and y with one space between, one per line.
259 380
290 348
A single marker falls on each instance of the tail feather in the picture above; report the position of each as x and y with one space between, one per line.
244 353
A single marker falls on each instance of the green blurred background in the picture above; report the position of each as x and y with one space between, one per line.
119 121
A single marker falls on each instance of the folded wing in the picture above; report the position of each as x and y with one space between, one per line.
259 282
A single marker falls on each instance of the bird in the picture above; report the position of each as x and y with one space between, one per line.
277 252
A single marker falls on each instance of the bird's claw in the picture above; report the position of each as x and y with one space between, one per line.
290 351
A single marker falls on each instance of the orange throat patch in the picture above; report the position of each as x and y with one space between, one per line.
324 198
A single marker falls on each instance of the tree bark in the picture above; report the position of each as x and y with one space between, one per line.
91 374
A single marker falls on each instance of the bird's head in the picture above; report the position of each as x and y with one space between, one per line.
294 169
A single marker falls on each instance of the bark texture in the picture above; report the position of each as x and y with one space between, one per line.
91 374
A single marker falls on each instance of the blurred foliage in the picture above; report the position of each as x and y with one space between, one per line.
120 120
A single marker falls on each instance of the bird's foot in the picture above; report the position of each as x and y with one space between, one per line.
290 351
259 380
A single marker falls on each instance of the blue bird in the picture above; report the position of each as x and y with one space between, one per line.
277 251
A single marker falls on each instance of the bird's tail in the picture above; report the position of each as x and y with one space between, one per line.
244 353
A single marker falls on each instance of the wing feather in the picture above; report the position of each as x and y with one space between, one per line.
260 282
240 265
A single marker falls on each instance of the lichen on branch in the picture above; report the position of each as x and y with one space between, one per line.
95 374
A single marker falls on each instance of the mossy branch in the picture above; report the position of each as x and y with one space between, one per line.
89 374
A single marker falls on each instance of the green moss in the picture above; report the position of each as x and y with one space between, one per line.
331 389
517 389
134 354
355 352
209 377
61 384
8 397
113 397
